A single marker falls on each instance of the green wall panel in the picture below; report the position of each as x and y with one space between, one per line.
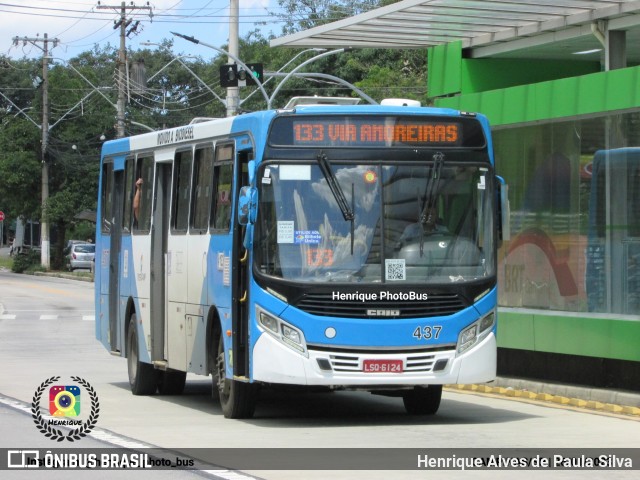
580 94
444 69
570 334
480 75
586 94
515 331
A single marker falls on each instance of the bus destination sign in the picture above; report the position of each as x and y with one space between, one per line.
376 131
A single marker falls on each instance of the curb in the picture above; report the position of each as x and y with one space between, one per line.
67 276
551 398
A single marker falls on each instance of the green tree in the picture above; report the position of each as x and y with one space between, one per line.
19 169
381 73
300 15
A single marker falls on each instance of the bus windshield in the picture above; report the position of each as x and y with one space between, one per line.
384 222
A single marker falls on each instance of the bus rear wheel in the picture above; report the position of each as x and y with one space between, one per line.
237 399
423 401
143 378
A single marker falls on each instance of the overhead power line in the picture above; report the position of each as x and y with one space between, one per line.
170 17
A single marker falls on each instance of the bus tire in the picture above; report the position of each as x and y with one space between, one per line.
143 377
171 382
237 399
422 401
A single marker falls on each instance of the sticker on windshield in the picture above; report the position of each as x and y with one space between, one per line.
307 237
319 257
394 269
285 231
481 184
295 172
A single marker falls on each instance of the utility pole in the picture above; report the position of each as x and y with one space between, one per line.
123 24
233 93
45 242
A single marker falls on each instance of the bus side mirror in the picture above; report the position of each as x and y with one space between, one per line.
504 210
247 205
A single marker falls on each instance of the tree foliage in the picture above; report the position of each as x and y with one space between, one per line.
165 88
19 169
298 15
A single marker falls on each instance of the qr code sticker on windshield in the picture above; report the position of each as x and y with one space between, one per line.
395 269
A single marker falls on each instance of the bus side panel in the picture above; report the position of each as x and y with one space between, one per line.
195 331
177 274
125 287
139 271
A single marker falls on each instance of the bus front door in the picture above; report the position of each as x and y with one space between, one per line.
158 269
114 260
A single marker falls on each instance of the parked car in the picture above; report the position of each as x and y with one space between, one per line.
81 255
70 243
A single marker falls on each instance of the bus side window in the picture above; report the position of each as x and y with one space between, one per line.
181 191
107 197
202 188
144 172
128 194
222 179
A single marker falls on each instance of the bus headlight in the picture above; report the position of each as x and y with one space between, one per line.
476 332
268 322
282 331
487 322
292 337
467 338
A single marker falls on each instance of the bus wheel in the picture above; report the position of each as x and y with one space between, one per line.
237 399
143 378
171 382
422 401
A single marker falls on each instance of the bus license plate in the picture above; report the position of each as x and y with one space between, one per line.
382 366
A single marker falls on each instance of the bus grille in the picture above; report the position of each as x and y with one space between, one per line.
437 305
351 363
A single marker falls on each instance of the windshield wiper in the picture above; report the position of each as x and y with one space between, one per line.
338 194
429 216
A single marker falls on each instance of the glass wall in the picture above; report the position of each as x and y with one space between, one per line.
574 188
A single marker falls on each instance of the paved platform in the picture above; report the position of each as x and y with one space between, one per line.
600 399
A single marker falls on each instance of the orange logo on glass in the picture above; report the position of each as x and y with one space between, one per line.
319 257
370 176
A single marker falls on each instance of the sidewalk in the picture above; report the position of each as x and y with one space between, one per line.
4 252
600 399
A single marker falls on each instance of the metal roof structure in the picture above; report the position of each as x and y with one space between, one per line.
551 29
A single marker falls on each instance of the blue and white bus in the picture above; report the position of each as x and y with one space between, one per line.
345 247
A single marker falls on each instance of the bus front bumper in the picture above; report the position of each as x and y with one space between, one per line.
274 362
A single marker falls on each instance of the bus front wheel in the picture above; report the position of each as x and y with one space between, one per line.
237 399
423 401
143 378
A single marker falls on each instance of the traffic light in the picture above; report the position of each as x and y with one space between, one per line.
229 75
232 75
256 73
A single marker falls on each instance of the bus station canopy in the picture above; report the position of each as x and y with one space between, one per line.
551 29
